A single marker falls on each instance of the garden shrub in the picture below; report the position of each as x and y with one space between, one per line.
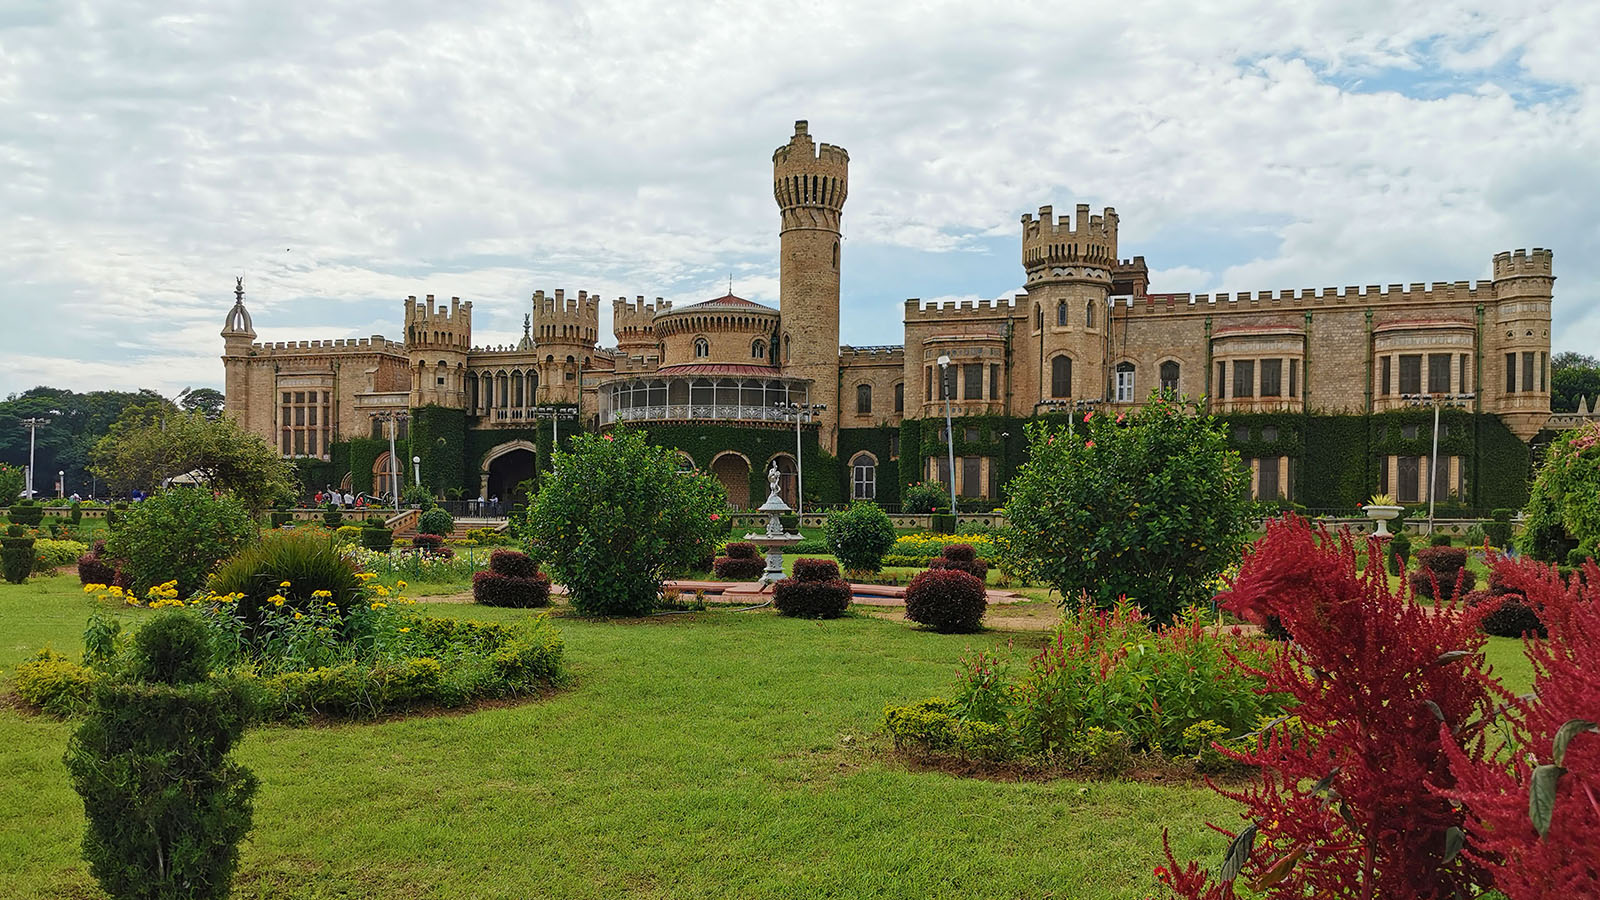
615 516
1531 824
814 592
1399 552
55 684
27 512
376 536
294 567
419 497
332 516
513 579
16 554
924 497
1498 530
52 554
946 600
1149 505
1377 678
860 535
179 534
95 569
348 534
1439 540
961 558
436 521
942 523
741 562
76 516
489 537
13 481
1564 502
431 545
1446 567
927 726
166 807
926 546
812 545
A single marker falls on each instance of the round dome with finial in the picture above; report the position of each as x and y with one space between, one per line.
238 322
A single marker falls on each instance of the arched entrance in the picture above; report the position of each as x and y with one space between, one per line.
786 478
384 477
506 468
733 470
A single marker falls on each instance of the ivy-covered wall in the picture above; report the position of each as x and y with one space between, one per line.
878 442
438 436
481 441
703 442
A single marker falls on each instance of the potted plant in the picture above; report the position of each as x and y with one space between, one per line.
1381 508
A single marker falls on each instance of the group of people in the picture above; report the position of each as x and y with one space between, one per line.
357 501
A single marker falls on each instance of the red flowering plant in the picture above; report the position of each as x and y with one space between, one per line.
1534 825
1346 805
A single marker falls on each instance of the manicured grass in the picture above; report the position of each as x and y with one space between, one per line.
719 754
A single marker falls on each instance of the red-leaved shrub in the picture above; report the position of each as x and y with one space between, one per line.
815 592
740 562
947 600
1444 566
741 550
1509 613
513 580
1555 767
432 545
1347 805
94 570
815 569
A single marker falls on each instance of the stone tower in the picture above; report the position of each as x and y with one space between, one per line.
564 331
1524 285
810 183
238 333
1069 267
437 341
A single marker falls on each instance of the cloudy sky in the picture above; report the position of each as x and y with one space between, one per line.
344 155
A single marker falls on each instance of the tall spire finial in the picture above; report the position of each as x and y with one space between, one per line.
238 288
730 284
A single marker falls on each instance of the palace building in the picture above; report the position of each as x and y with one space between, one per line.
1318 386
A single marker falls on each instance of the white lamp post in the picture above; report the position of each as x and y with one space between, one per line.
393 418
949 432
32 424
799 411
61 485
416 469
1436 401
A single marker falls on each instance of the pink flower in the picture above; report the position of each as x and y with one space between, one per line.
1089 444
1087 415
715 517
608 437
1120 417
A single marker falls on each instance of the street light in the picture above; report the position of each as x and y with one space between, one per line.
61 485
32 425
1436 401
949 431
392 420
1069 406
416 469
799 411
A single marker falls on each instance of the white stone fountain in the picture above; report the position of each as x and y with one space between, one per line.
774 540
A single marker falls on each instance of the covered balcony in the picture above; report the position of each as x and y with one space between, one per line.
697 396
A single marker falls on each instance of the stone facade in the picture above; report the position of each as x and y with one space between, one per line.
1087 328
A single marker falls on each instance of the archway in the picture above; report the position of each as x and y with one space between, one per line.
786 478
384 478
733 470
505 469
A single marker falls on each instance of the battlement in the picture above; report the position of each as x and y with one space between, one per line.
431 327
883 353
1085 238
636 314
928 310
1510 264
376 343
1372 295
810 175
561 319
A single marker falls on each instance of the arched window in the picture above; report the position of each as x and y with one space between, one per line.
1169 376
1061 376
863 399
702 348
758 349
836 254
1038 317
1061 312
1088 315
1125 382
788 348
900 397
863 477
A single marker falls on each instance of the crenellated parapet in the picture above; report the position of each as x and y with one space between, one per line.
810 181
1520 263
1082 247
633 321
918 310
376 343
558 318
430 327
1394 295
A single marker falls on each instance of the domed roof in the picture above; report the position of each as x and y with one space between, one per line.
726 301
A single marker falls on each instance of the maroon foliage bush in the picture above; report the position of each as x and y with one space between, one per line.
432 545
741 550
1445 567
513 563
738 568
826 598
1509 613
92 569
494 589
949 601
815 570
960 552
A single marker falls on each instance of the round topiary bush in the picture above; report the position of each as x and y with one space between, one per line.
27 512
860 535
947 600
741 562
513 579
815 569
1447 567
436 521
815 592
17 555
1509 615
332 516
961 558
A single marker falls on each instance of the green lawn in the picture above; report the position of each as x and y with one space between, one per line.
723 754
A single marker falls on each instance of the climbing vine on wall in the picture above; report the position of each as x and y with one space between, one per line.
438 436
758 444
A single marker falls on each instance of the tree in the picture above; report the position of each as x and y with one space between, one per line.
1563 514
206 401
1573 375
1150 505
860 535
179 534
615 516
151 444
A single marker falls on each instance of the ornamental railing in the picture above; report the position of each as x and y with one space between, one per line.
679 411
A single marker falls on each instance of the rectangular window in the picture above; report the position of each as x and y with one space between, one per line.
900 397
1124 383
1383 474
1462 378
1294 372
1407 470
1511 373
288 397
311 415
941 471
286 444
1411 373
1385 375
1438 373
1544 363
927 382
299 443
299 396
1272 378
1267 479
1221 387
994 381
311 443
1244 378
973 388
994 478
300 415
894 444
971 477
1527 370
970 434
1441 480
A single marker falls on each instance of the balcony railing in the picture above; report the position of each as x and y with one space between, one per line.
679 411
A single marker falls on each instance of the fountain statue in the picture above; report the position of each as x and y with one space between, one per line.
774 540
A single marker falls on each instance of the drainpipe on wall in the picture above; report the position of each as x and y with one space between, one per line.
1211 397
1369 361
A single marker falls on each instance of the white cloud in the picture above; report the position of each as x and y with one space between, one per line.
345 156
